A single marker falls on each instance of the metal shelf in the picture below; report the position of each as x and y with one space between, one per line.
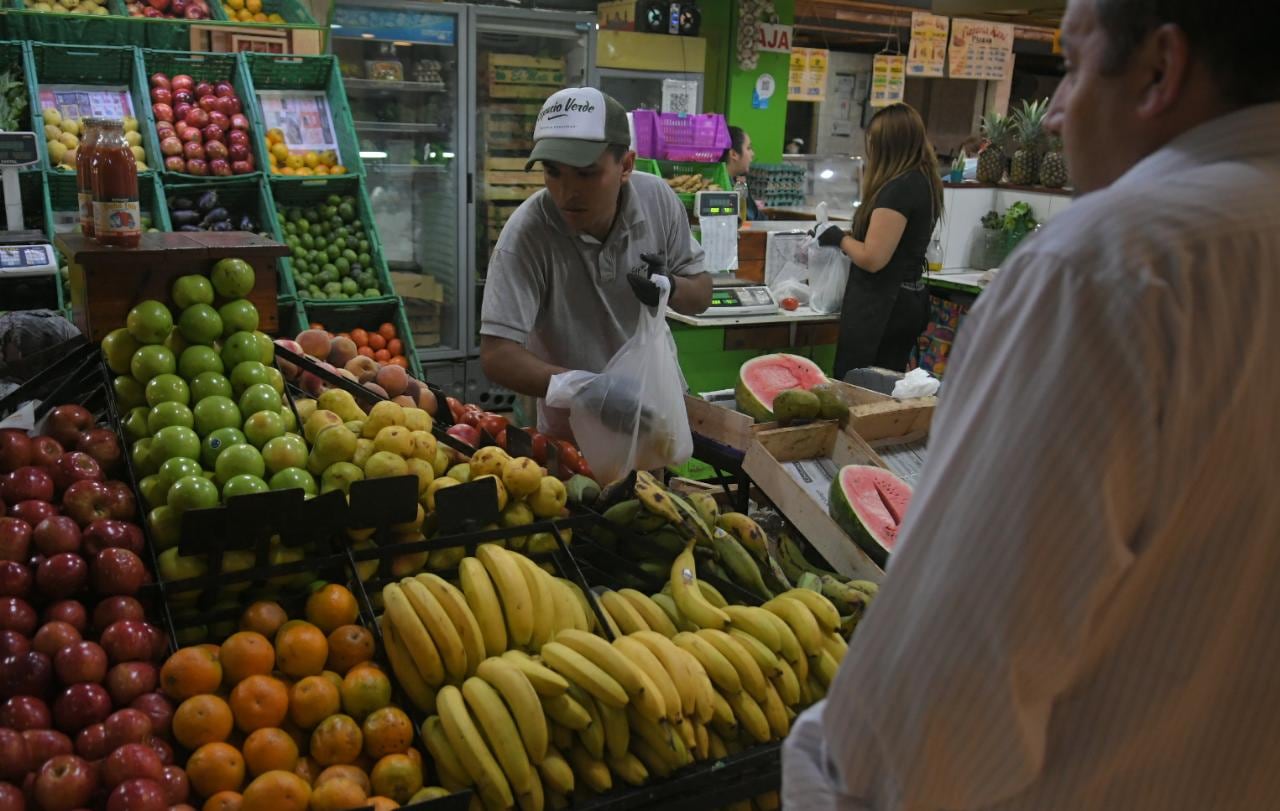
398 127
378 85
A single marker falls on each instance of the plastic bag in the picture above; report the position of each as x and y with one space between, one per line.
631 416
795 289
915 383
828 271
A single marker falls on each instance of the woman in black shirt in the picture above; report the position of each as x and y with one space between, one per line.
886 305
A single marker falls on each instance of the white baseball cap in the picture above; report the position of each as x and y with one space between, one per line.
576 125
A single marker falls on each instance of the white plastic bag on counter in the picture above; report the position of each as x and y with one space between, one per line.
915 383
791 288
828 271
631 416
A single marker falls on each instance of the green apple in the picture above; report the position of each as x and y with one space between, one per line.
118 347
216 442
192 493
167 388
243 484
200 324
195 360
237 459
262 426
275 379
290 420
266 348
150 361
149 322
238 348
153 490
166 531
284 452
192 289
294 478
140 453
260 397
339 476
137 423
179 467
169 413
216 412
174 567
246 374
129 393
232 278
175 343
238 315
210 384
175 440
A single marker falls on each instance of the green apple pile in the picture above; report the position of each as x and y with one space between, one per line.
202 403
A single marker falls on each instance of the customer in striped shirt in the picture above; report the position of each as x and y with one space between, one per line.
1082 612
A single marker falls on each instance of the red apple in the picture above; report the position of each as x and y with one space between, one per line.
118 571
159 5
91 742
127 641
220 168
32 511
57 533
108 532
81 662
64 783
46 743
16 614
180 111
45 450
236 100
197 117
81 705
177 788
71 612
104 446
212 132
113 609
15 539
163 749
197 167
237 152
177 8
128 680
53 637
172 145
15 449
183 97
163 128
162 112
12 798
131 760
241 167
223 89
160 80
25 712
128 726
215 150
158 707
15 579
175 163
190 135
86 501
62 575
28 483
13 644
239 121
192 150
75 466
162 95
219 119
15 757
159 643
182 82
237 136
203 89
207 103
137 795
227 106
124 505
66 423
30 674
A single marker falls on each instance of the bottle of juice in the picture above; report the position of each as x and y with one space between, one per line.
117 218
84 174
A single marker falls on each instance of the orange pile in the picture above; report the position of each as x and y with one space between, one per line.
383 344
292 715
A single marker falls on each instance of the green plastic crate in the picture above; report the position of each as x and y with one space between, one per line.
715 172
17 56
293 12
344 316
95 65
649 166
292 318
309 191
205 67
66 210
85 29
319 73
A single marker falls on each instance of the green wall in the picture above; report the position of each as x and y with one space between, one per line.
729 90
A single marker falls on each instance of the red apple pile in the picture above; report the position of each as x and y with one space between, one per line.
172 9
82 721
201 126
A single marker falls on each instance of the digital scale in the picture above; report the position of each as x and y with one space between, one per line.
729 302
22 252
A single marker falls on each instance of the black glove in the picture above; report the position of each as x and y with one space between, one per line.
641 279
830 235
617 402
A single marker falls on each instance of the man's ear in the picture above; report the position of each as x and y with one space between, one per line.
1164 60
628 165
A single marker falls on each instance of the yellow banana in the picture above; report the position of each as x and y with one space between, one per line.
703 699
712 594
825 667
639 688
577 605
628 768
563 604
817 690
750 675
824 613
428 793
614 630
766 659
703 744
750 717
464 620
419 692
585 673
835 645
769 801
565 711
544 607
591 736
668 606
617 733
800 619
724 719
675 663
545 681
448 766
535 799
715 746
475 756
644 659
650 612
689 597
660 736
501 733
787 683
509 580
684 728
624 614
721 670
655 763
482 599
581 599
556 772
410 631
792 651
522 700
593 772
748 618
437 622
562 736
776 714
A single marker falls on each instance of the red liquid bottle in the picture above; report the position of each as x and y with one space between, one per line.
117 217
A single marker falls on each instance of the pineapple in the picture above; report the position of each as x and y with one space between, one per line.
1053 166
1024 170
991 162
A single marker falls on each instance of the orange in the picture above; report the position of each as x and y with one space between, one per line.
277 791
364 350
387 330
344 771
338 795
399 360
269 749
223 801
190 672
300 649
377 341
332 607
349 645
383 804
394 346
265 617
215 767
416 757
200 720
307 768
336 740
387 731
381 355
312 700
397 777
364 690
259 701
360 337
336 678
246 654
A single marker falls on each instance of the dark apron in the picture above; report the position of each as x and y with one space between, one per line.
868 303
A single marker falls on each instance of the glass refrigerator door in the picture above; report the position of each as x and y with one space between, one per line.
402 67
521 57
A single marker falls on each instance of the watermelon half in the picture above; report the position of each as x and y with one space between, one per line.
869 504
762 379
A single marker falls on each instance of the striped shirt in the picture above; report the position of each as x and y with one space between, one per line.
1082 612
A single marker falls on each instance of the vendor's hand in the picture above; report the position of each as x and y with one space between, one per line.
830 235
613 400
644 281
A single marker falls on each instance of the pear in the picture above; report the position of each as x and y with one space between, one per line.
339 476
317 422
333 444
383 414
340 402
364 449
415 419
385 463
424 445
395 439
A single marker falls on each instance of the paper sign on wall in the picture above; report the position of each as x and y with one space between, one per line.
302 115
680 96
772 38
928 53
981 50
808 79
888 79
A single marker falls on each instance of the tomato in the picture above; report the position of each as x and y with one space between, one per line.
585 469
539 443
471 415
455 408
570 457
790 303
501 439
491 424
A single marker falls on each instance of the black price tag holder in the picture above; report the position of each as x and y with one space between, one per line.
380 504
519 443
467 507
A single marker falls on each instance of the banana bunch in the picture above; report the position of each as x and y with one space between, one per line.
850 597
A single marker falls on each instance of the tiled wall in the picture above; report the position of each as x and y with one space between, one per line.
962 215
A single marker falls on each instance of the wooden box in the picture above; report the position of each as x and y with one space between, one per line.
107 282
799 491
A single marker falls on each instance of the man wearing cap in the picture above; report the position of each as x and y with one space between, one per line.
575 261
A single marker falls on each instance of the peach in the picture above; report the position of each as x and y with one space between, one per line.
404 400
341 350
311 384
427 401
411 389
315 342
364 368
392 378
288 369
376 389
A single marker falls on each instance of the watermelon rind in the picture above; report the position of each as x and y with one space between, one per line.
802 372
844 513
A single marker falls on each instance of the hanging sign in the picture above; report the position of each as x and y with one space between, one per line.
981 50
679 96
808 78
928 53
772 38
888 78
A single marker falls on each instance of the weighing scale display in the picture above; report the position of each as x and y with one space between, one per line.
18 148
734 301
718 204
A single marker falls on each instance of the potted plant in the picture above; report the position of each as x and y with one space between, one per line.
1019 220
957 168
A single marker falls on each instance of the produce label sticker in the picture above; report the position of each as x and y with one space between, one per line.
303 116
86 101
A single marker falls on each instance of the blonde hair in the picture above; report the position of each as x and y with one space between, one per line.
896 144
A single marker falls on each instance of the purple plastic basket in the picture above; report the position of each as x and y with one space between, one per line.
646 125
669 136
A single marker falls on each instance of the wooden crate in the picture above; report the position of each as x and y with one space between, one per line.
770 461
497 60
